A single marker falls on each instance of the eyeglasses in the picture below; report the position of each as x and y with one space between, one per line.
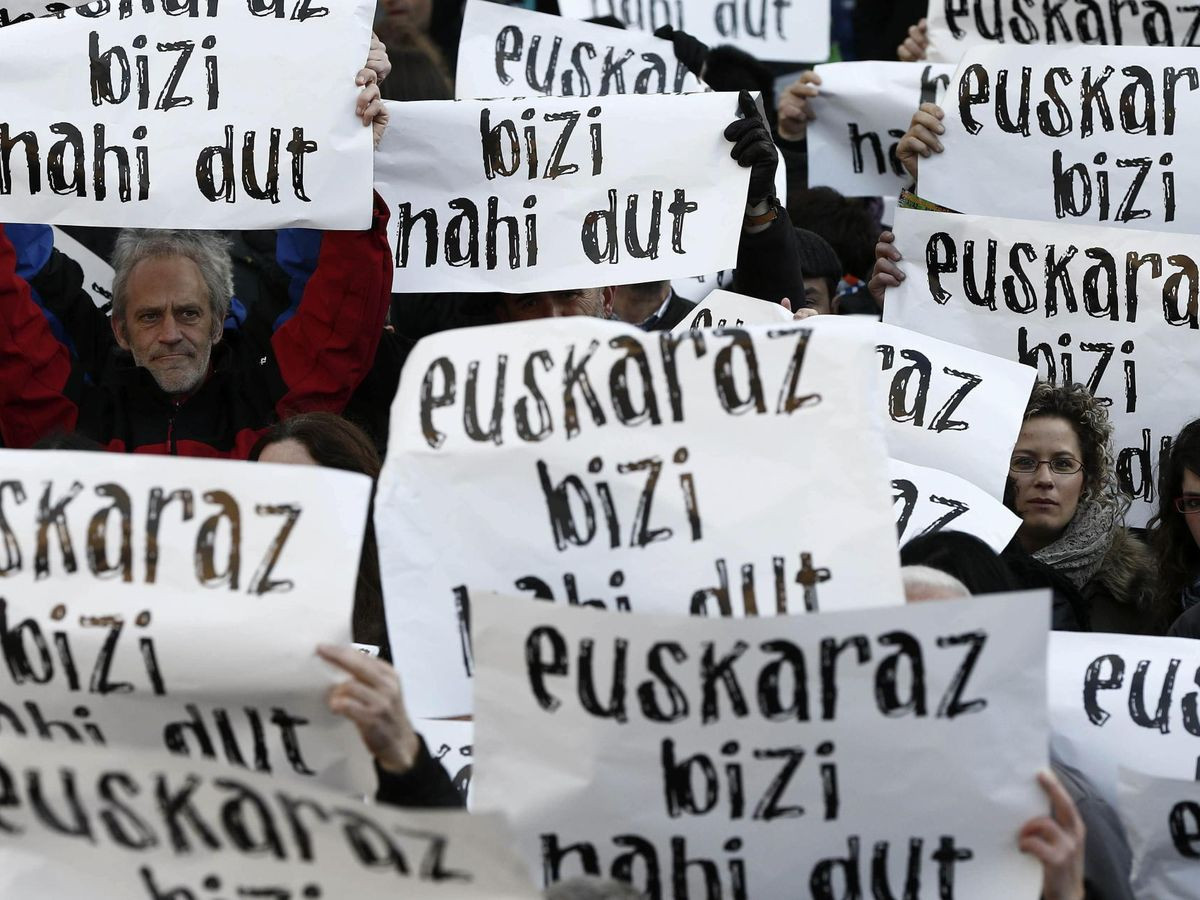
1189 506
1060 465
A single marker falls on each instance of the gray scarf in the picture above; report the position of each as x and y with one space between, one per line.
1079 552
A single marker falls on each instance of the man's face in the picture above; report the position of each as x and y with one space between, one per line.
168 324
412 13
816 290
551 305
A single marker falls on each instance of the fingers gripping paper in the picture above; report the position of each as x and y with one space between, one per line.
783 30
587 462
110 825
114 115
742 758
176 605
1095 135
1162 821
1106 308
959 25
553 194
861 113
505 50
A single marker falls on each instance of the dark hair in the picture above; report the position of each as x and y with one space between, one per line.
965 557
335 443
419 70
1177 555
845 223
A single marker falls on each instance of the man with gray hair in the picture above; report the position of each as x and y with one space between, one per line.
185 387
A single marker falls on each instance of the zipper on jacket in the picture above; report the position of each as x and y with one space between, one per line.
171 447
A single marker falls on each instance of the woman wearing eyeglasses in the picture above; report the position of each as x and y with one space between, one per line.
1175 532
1062 485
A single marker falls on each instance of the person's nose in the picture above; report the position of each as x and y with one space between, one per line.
169 332
1042 477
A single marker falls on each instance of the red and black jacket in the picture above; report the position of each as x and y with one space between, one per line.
314 361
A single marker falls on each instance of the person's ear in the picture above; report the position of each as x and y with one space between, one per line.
118 329
218 331
607 298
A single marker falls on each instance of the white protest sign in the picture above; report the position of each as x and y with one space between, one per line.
450 742
554 193
176 604
1120 699
1162 822
111 825
588 462
725 309
928 500
97 274
159 120
742 758
948 407
1095 135
959 25
14 11
697 287
506 51
861 113
781 30
1106 308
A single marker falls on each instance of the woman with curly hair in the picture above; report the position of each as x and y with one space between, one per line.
1062 485
1175 532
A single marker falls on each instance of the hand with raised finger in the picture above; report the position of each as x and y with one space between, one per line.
371 698
916 44
887 272
754 150
1057 841
922 138
795 110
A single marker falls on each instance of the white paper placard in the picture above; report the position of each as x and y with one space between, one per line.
1088 135
1162 821
959 25
697 287
97 274
114 825
176 605
1121 699
627 470
507 51
928 500
1062 304
863 110
13 12
451 742
725 309
782 30
947 406
619 744
127 118
604 199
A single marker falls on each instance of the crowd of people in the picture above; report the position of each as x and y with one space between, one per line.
288 347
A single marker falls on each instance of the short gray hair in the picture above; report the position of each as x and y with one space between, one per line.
209 250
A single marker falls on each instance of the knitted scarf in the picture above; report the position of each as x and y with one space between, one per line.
1080 550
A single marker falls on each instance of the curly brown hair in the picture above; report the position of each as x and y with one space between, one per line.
1089 419
1175 549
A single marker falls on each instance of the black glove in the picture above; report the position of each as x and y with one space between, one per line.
753 149
688 50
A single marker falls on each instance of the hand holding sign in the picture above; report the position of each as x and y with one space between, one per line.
373 701
1057 842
